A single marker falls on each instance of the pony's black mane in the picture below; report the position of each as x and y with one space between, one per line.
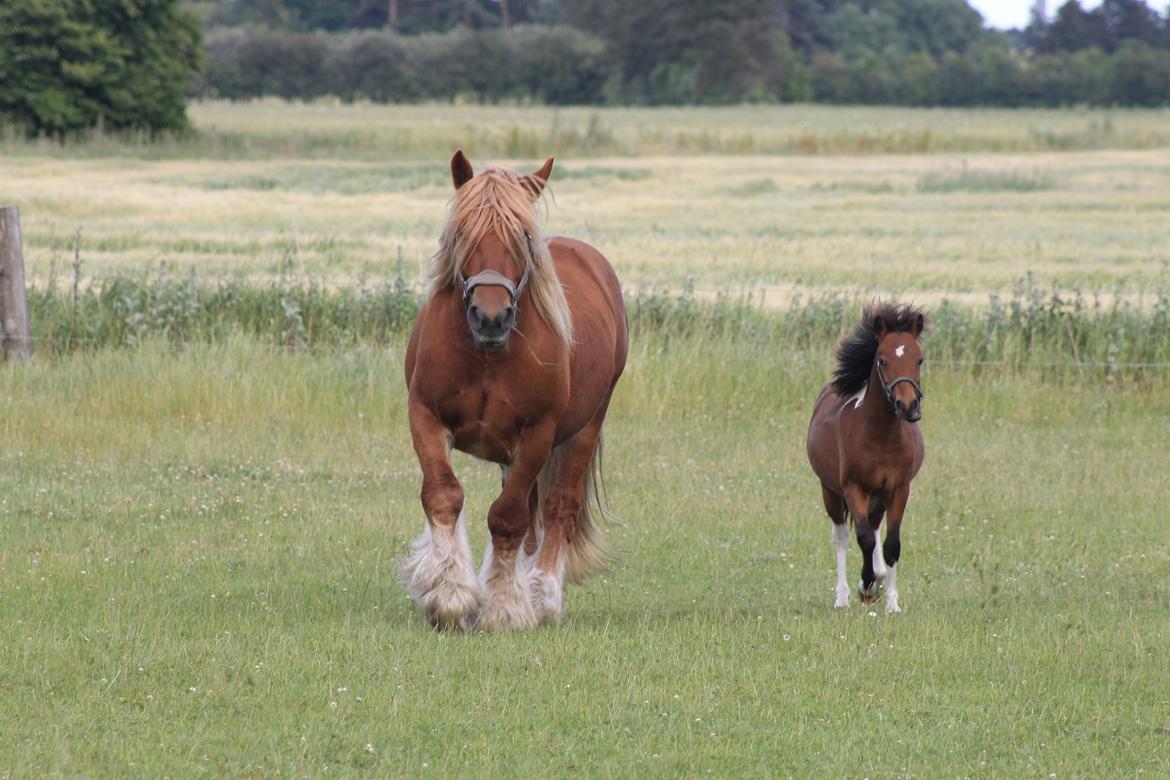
855 354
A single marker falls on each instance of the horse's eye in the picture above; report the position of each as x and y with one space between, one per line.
920 361
882 362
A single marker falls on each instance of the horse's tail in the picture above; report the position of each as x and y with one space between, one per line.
588 550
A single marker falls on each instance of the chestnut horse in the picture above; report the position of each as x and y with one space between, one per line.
513 359
865 445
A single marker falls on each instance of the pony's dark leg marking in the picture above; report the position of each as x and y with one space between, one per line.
866 532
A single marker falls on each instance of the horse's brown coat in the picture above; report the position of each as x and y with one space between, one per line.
864 453
517 405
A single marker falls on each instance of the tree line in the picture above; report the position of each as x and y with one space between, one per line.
72 64
902 52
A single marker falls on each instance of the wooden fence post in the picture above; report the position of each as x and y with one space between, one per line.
16 337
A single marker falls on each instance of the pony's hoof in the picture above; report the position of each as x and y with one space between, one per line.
842 598
892 607
867 596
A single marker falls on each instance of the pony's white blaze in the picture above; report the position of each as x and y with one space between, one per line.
900 351
440 577
892 606
841 545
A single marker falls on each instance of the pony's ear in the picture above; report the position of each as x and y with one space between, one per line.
461 171
919 325
879 326
535 181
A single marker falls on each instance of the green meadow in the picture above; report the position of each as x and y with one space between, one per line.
200 528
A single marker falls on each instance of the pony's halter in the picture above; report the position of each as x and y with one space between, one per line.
888 387
489 278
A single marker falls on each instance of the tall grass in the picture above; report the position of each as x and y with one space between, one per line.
1033 327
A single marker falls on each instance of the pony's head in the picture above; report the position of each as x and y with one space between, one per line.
884 346
493 253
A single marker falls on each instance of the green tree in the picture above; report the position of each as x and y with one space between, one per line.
67 65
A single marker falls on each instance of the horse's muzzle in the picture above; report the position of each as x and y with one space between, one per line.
911 413
491 331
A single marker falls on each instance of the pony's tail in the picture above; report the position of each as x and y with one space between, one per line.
588 551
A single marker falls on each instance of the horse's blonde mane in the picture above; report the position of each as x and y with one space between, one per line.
495 201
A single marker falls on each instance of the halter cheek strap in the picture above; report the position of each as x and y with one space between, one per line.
489 278
888 387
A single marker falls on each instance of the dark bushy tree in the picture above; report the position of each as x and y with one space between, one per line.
67 65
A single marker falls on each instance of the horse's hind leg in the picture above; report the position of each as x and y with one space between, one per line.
876 514
835 507
504 573
562 509
439 573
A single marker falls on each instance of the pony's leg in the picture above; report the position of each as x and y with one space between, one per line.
562 508
858 503
504 573
879 561
893 546
438 573
835 506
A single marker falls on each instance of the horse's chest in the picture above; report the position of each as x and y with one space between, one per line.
485 422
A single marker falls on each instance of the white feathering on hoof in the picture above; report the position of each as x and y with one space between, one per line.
547 589
505 578
439 576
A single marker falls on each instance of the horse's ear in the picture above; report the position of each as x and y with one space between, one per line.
535 181
879 326
461 171
919 325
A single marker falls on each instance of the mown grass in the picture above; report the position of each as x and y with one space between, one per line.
198 577
782 226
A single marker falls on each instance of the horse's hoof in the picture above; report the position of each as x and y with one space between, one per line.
892 607
867 596
842 600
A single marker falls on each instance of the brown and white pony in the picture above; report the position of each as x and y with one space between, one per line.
865 445
513 359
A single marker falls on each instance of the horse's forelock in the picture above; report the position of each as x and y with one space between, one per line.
496 202
855 354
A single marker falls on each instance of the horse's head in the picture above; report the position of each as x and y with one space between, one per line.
898 363
499 256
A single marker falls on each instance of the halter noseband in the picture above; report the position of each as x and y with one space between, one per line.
489 278
888 388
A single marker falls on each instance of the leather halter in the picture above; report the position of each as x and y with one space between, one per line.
489 278
888 387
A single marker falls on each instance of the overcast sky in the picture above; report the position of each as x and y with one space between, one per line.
1005 14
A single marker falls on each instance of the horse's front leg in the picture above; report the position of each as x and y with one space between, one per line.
504 574
872 563
893 545
439 573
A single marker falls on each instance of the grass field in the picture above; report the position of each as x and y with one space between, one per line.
198 541
199 578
